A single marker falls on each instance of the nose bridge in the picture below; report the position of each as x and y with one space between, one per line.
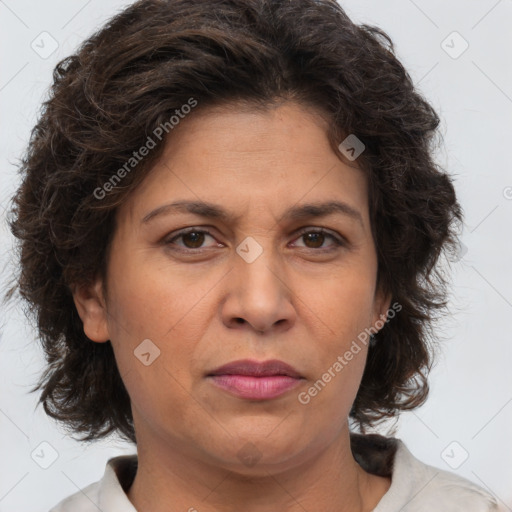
258 266
257 291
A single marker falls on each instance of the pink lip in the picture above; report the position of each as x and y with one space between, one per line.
255 380
255 388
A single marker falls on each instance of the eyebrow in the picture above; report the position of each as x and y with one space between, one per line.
213 211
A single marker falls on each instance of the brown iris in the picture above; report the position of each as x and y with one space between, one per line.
314 237
196 237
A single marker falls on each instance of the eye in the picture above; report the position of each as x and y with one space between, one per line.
316 237
192 238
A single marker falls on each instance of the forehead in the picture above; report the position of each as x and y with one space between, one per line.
235 156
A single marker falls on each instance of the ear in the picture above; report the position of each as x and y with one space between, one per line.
381 306
91 308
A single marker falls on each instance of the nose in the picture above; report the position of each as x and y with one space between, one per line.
258 295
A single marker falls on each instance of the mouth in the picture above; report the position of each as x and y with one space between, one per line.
253 380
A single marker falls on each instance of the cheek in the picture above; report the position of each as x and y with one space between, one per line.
171 310
154 352
344 304
343 307
330 392
149 300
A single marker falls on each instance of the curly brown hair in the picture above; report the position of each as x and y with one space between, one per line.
137 71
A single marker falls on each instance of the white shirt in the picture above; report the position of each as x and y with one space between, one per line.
415 486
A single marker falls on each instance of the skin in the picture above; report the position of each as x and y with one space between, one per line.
302 301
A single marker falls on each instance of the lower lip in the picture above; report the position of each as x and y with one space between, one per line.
255 388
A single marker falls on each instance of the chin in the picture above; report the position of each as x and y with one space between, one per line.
259 455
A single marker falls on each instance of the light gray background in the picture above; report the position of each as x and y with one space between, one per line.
471 398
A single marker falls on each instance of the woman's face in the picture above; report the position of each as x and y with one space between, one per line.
254 280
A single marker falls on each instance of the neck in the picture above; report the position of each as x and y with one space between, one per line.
170 480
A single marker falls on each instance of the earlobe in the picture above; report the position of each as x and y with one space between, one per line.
91 308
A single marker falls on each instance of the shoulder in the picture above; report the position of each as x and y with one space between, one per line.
83 501
416 486
106 494
421 487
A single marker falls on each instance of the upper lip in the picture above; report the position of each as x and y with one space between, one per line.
256 368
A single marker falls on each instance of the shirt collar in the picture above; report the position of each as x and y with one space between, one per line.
117 479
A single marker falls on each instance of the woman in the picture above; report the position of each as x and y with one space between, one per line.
229 225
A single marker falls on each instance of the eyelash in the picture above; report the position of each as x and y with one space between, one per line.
338 241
